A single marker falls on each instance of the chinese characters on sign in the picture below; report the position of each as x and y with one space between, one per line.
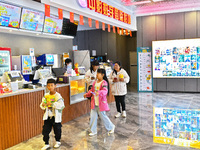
110 11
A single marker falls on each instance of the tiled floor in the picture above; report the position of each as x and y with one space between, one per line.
134 132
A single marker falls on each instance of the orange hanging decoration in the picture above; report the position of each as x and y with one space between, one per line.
71 17
108 28
97 24
90 22
81 20
47 10
60 13
114 29
103 26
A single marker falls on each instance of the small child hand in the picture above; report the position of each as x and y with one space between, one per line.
43 104
84 96
97 93
49 104
121 79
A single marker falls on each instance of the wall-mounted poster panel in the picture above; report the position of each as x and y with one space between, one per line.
144 69
176 58
177 127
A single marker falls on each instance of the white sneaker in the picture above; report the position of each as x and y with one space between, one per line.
118 115
45 147
57 145
92 134
113 130
124 114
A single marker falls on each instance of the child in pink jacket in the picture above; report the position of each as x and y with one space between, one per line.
99 104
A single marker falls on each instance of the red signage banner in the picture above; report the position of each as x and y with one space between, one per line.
60 13
97 24
103 26
108 10
126 32
108 28
130 33
81 20
114 29
72 17
118 31
90 22
47 10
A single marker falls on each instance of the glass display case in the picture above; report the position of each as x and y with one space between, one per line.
78 88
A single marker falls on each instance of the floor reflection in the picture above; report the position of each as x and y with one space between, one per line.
132 133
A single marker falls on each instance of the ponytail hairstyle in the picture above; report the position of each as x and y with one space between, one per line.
94 63
103 71
119 63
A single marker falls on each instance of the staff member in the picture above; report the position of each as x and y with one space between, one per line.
91 74
119 78
67 69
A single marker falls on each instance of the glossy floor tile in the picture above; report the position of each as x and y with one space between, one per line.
132 133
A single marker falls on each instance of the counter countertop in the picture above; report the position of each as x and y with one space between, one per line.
24 91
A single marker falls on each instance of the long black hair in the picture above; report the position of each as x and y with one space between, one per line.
94 63
103 71
119 63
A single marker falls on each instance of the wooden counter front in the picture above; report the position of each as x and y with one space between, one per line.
20 118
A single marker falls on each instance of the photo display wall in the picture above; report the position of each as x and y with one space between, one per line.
176 127
176 58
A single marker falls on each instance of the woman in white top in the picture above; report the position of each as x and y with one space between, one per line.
91 74
119 78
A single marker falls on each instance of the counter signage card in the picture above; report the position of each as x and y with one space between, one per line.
26 64
53 25
32 20
144 69
177 127
31 50
176 58
9 15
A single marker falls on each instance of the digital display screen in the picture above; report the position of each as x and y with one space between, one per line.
9 15
49 59
177 127
53 25
176 58
32 20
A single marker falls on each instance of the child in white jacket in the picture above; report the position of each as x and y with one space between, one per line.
119 78
53 105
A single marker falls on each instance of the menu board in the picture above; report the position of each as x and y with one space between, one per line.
177 127
144 69
53 25
176 58
9 15
26 64
32 20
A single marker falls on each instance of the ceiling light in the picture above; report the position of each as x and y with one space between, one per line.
138 3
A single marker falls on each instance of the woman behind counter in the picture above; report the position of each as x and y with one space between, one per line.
67 69
91 74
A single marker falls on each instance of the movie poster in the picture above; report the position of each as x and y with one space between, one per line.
176 58
177 127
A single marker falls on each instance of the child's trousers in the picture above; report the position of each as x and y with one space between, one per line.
48 124
93 120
